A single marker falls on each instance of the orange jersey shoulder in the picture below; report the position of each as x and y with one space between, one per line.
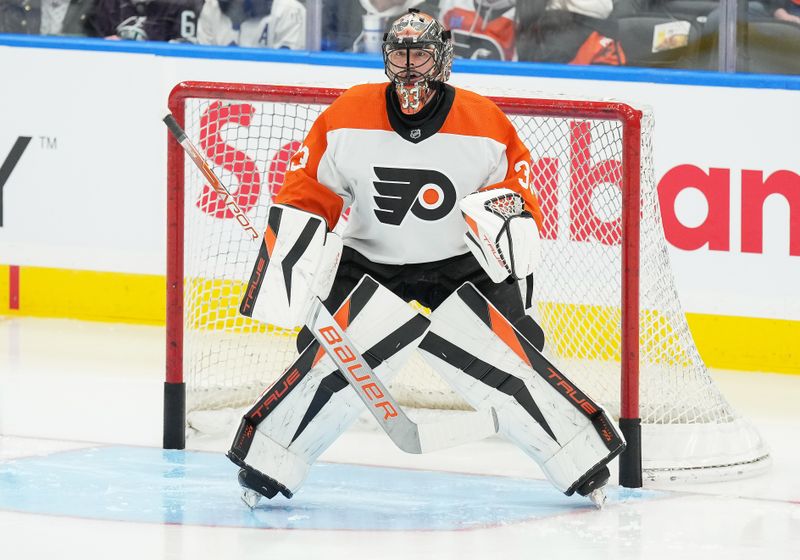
362 106
475 115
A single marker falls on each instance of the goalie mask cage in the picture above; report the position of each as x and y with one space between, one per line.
604 295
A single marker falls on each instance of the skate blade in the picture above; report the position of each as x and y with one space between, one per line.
250 498
598 497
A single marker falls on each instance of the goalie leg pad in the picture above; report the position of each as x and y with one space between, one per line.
538 408
309 406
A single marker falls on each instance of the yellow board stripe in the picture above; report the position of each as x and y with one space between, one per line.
747 343
215 306
5 277
741 343
597 335
87 295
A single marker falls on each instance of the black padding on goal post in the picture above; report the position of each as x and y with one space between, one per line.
630 461
174 415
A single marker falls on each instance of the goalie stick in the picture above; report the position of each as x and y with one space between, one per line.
406 434
198 159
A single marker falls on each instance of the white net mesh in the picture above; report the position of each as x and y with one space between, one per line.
577 172
506 205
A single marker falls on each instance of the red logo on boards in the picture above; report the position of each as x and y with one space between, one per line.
237 162
585 178
779 189
589 181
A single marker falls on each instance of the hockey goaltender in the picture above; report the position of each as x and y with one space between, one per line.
438 184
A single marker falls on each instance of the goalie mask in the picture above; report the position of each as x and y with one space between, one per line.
417 51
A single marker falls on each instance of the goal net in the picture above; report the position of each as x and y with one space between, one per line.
604 292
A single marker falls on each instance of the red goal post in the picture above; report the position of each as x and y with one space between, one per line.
592 146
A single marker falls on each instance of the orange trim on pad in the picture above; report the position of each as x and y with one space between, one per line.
269 240
507 334
343 315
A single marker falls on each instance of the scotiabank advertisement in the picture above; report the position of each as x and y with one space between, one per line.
83 173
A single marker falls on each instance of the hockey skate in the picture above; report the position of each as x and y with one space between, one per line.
593 486
249 496
598 498
256 485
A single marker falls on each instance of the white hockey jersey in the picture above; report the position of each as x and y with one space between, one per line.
403 183
283 27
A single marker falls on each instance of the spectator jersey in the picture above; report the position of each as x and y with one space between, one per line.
147 20
599 49
48 17
403 179
280 24
479 32
791 6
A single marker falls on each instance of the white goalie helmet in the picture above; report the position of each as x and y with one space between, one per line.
417 51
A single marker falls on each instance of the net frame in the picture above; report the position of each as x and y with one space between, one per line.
630 120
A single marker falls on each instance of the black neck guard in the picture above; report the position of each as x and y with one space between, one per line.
424 124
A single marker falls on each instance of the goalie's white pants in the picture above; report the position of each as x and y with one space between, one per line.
297 418
537 407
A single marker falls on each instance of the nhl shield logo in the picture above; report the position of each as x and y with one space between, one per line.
415 134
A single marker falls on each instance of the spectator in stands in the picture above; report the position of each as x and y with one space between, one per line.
147 20
47 17
482 29
568 31
359 25
788 10
783 10
274 24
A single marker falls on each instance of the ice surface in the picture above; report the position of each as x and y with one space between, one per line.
82 476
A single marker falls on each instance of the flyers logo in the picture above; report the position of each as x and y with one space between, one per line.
428 194
476 46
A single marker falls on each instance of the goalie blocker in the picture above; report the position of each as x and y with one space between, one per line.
296 262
